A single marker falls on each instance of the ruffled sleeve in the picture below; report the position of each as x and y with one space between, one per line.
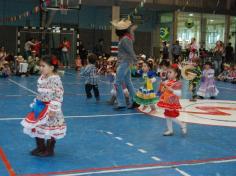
57 94
177 89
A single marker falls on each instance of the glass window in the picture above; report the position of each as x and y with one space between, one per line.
188 26
215 29
232 33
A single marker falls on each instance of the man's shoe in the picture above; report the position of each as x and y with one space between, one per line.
134 105
118 108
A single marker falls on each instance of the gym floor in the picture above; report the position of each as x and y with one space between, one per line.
101 141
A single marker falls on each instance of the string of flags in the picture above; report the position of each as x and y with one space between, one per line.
35 10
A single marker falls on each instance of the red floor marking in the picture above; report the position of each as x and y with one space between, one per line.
211 110
7 163
174 164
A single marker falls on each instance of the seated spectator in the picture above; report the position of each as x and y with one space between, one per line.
232 75
224 75
5 70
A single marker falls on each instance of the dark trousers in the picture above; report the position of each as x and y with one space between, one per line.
89 87
194 90
176 58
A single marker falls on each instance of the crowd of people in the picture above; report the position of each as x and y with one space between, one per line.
161 80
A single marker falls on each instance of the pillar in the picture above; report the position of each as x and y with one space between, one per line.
114 38
203 31
156 39
227 29
175 25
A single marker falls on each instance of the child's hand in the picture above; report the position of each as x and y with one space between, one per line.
51 114
168 87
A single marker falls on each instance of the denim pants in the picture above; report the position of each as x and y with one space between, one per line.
217 66
123 77
65 58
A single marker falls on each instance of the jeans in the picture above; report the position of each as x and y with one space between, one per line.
65 58
89 87
217 66
123 77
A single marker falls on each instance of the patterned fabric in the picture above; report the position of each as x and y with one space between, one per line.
49 99
168 99
207 85
126 52
193 84
90 74
192 51
146 94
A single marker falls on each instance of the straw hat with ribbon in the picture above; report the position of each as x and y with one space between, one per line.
187 72
122 24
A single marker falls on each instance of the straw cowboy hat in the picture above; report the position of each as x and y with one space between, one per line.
112 59
122 24
187 72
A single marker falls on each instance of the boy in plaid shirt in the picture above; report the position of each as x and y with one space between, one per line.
91 77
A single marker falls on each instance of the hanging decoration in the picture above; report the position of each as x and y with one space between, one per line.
189 23
164 33
35 10
133 16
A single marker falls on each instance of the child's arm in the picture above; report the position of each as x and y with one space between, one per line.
84 71
175 89
56 101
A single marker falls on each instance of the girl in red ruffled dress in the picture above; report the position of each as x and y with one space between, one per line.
169 99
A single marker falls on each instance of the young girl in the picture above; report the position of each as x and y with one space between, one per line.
224 75
169 100
45 122
232 75
207 85
146 96
163 74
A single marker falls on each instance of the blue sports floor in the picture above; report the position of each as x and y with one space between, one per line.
101 141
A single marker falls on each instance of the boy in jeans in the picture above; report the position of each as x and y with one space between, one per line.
91 77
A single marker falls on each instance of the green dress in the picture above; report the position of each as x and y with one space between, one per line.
146 95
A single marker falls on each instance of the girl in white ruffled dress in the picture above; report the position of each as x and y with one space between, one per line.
46 122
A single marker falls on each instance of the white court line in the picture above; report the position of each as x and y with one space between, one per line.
146 168
145 151
108 132
129 144
23 86
226 88
156 158
182 172
85 116
142 150
119 138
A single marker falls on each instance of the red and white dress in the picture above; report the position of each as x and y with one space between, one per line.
49 99
169 100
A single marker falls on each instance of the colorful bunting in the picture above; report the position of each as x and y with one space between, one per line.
34 10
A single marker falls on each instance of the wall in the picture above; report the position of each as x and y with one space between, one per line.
14 8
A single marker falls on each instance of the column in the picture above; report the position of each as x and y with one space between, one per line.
203 31
227 29
175 25
114 38
156 39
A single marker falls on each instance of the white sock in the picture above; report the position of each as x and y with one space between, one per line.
181 124
169 124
